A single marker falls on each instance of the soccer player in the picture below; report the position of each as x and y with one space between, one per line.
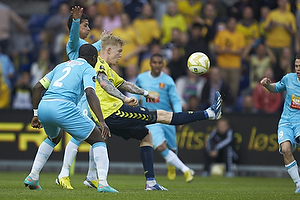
123 115
289 123
166 98
58 109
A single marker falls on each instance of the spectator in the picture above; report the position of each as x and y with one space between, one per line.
219 10
172 19
102 6
147 27
7 16
264 12
177 66
41 66
229 45
265 101
189 85
220 147
248 104
190 9
280 27
216 83
197 42
237 9
285 61
96 31
193 103
248 26
22 93
134 7
113 19
133 47
92 12
258 62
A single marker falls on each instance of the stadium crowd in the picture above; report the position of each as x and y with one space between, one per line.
245 40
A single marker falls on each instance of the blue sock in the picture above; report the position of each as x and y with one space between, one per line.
146 153
188 117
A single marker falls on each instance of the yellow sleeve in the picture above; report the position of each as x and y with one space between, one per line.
45 82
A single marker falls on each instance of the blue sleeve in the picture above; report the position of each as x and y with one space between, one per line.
50 75
73 42
280 86
97 45
89 78
175 100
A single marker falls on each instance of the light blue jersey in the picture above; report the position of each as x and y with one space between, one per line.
289 123
163 87
58 107
75 42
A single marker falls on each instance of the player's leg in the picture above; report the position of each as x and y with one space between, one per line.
42 155
91 179
101 160
146 153
69 155
227 156
285 138
213 112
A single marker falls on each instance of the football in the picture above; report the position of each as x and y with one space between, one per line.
198 63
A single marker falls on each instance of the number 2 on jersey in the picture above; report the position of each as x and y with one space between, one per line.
58 82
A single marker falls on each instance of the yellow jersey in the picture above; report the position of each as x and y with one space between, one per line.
109 104
250 32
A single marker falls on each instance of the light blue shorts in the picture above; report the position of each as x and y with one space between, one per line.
56 114
83 105
288 132
161 133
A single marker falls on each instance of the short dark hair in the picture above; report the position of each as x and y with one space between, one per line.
156 55
297 56
87 51
70 20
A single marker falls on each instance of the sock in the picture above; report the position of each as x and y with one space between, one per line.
92 172
172 159
44 151
292 169
146 153
102 161
70 153
188 117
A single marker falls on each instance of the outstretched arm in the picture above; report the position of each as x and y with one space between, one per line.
112 90
134 89
267 83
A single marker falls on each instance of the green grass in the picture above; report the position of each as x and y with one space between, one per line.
132 187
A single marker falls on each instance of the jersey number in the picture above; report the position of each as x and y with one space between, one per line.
57 83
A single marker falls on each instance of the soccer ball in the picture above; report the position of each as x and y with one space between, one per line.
198 63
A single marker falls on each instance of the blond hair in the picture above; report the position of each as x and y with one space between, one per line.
111 40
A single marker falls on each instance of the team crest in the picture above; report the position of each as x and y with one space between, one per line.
161 85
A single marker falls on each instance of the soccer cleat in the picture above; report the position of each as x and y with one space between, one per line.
91 183
64 182
171 172
31 184
107 188
216 106
189 175
155 187
297 189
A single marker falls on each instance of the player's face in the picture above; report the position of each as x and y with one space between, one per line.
297 68
156 65
84 29
115 53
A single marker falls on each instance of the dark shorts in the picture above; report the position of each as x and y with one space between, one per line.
130 122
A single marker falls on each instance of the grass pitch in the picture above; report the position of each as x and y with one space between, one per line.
132 187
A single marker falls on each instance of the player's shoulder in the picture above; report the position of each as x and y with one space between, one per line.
167 77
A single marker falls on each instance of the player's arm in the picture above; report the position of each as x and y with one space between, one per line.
74 32
112 90
37 94
267 83
134 89
95 106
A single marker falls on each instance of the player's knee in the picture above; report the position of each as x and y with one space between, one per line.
162 147
286 148
147 140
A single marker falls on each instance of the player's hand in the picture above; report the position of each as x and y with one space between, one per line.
76 12
35 122
105 132
214 153
265 81
150 98
132 101
104 33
